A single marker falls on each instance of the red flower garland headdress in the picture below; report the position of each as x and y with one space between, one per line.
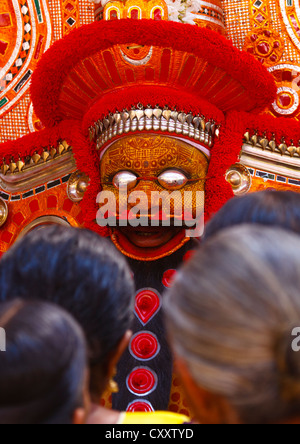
114 66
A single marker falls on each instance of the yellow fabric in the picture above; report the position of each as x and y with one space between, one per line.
153 418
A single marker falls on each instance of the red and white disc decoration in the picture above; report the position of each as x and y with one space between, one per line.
142 381
140 406
168 278
287 103
144 346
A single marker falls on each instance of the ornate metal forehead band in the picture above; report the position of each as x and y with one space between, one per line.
154 119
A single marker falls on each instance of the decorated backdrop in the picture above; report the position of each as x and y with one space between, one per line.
27 30
268 29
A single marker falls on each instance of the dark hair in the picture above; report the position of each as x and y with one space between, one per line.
231 315
43 370
83 273
272 208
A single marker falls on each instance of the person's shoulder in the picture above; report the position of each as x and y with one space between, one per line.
154 418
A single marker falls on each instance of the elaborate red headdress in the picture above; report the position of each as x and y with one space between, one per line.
160 71
134 75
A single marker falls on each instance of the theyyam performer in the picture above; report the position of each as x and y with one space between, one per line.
151 99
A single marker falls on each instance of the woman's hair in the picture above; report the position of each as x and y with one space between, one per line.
44 368
272 208
231 314
83 273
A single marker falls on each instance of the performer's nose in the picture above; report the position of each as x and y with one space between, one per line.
143 191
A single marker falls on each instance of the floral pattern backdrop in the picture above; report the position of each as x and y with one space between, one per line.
268 29
27 30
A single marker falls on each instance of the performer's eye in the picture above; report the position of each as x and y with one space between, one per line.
172 180
125 179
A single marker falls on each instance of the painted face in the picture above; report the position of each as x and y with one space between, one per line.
137 170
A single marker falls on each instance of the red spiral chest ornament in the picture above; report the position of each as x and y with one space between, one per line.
144 346
142 381
147 304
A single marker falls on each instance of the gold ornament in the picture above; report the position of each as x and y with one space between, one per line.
77 186
113 386
3 212
239 178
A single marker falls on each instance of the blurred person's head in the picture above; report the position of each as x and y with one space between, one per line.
43 372
271 208
88 277
230 316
